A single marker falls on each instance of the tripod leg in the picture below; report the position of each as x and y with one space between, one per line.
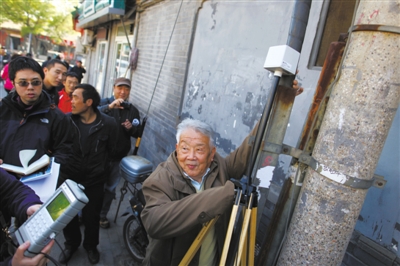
245 251
197 242
123 192
253 231
228 237
244 229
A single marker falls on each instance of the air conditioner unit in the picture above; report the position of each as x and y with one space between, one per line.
87 38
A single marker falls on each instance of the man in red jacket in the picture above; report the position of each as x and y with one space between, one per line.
65 94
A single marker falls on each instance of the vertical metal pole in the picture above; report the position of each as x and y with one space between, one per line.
29 43
358 117
261 129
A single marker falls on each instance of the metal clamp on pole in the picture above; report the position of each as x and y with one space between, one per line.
304 158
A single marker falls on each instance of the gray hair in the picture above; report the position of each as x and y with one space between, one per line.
196 125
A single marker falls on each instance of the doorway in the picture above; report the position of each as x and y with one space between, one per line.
101 66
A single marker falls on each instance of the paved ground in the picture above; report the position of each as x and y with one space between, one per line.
112 248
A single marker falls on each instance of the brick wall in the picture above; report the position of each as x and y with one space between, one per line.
155 27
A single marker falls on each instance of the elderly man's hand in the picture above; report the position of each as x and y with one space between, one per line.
296 86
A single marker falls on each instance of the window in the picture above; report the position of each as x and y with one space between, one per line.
336 18
15 43
121 31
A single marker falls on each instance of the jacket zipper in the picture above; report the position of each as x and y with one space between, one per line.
90 132
23 118
80 145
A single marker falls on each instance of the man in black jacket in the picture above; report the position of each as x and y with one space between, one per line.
28 118
93 139
128 120
79 70
55 72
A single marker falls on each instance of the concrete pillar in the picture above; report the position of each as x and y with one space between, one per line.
359 115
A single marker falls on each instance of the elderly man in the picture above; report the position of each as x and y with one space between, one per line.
128 120
188 190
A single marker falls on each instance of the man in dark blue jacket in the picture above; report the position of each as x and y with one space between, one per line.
19 201
93 139
28 118
128 120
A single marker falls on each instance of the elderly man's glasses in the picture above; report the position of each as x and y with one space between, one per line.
26 83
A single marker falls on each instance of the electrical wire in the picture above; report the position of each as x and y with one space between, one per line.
51 259
46 255
62 250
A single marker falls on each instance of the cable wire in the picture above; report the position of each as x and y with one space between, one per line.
165 55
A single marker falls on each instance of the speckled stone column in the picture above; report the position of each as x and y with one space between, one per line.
359 115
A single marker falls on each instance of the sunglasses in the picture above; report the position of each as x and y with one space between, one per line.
26 83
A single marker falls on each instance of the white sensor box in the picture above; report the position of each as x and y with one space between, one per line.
282 58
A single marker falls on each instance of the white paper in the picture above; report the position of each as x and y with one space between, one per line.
45 187
25 156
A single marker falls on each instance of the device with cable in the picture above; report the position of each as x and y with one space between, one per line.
52 217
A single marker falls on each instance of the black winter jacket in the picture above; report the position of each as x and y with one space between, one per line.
43 127
91 168
123 136
15 200
53 93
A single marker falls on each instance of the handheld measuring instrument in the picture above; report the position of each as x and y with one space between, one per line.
52 217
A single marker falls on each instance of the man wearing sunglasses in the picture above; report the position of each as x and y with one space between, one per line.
28 118
55 72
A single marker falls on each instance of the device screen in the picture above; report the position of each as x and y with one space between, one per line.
57 206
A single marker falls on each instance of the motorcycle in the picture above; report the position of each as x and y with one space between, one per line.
134 169
134 233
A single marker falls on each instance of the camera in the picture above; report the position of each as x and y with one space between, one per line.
125 105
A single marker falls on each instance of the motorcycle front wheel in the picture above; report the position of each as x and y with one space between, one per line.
135 238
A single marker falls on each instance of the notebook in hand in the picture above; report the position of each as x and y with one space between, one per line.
25 156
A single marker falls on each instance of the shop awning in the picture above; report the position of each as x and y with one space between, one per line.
104 15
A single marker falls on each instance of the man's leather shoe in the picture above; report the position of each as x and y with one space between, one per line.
93 255
66 255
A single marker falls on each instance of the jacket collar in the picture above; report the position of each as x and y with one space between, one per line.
76 118
181 182
43 102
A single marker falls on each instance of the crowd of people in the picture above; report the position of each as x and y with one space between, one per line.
88 136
